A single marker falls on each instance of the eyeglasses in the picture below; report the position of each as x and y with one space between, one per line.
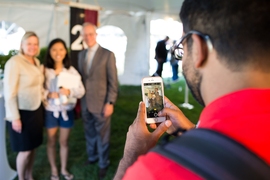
178 50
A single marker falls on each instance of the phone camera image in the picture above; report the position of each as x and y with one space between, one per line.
153 99
152 113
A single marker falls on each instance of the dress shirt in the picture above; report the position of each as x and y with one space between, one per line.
90 56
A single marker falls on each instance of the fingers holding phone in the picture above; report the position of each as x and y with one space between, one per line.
177 117
138 134
169 104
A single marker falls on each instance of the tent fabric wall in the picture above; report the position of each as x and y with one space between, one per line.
136 28
51 20
47 20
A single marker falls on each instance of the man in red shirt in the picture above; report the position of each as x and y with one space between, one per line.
226 63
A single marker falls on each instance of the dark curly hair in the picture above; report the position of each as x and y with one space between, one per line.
239 29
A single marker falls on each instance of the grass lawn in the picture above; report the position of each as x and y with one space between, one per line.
125 112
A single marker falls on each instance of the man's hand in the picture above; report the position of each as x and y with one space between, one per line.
107 110
173 113
139 140
17 125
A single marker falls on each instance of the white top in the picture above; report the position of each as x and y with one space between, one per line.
51 86
23 86
90 56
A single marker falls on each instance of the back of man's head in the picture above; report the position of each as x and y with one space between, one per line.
239 29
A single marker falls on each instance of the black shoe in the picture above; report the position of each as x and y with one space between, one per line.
90 162
102 173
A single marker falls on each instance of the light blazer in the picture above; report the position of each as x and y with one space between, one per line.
23 86
101 83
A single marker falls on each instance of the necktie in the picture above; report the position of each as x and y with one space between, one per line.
88 59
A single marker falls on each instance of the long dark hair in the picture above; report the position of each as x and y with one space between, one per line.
49 62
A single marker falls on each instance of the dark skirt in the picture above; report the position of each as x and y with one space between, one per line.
32 130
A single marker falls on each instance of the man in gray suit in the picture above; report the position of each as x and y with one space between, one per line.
98 69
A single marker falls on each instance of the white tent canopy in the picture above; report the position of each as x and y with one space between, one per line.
50 19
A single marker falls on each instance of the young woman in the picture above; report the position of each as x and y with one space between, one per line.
59 114
23 85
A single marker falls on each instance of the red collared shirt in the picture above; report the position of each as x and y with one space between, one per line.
243 115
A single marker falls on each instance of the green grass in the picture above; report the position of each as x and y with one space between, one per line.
124 114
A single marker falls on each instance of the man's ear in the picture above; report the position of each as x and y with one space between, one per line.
199 51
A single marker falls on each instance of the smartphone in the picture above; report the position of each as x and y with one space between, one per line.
153 97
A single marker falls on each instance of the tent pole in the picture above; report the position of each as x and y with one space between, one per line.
186 104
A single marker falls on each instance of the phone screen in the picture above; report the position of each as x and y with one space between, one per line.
153 98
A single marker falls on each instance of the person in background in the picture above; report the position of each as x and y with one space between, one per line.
23 88
226 72
161 55
59 114
174 64
158 98
97 66
146 100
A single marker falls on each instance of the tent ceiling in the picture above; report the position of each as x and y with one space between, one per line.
156 6
50 20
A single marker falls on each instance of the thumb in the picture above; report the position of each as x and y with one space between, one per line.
161 129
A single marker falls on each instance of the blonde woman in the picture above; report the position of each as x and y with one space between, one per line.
23 86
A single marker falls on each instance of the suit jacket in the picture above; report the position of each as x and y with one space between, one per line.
101 83
23 86
161 51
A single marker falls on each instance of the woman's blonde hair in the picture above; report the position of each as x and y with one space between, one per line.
27 35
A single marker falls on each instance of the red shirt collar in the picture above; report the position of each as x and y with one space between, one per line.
234 104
